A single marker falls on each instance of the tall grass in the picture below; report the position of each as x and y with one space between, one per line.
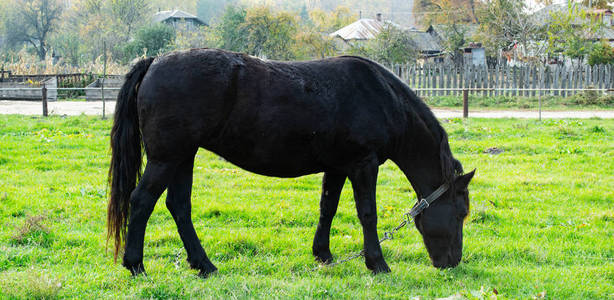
25 63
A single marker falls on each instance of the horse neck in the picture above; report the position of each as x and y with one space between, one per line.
421 164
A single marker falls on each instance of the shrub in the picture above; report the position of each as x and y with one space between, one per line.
601 53
150 40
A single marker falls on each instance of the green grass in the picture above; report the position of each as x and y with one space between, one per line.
541 223
584 101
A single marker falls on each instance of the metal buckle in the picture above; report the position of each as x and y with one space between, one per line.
424 203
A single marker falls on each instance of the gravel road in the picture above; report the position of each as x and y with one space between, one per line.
95 108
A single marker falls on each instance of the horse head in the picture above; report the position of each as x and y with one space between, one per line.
441 224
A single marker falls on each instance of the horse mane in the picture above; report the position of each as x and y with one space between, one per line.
450 167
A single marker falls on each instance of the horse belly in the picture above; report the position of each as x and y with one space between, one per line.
278 159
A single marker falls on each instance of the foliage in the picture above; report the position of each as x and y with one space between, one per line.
269 34
128 13
429 12
151 40
67 44
201 37
229 31
23 62
312 40
541 221
312 44
330 22
572 33
457 37
391 46
601 53
31 22
597 4
111 23
505 24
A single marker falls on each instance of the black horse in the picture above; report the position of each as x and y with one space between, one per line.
343 116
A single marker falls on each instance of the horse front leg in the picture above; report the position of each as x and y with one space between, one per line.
142 202
364 180
332 184
178 202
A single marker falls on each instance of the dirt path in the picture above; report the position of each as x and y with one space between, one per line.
95 108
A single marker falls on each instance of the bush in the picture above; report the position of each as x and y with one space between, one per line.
602 53
150 40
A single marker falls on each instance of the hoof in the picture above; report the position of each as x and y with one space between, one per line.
206 269
377 267
136 269
323 257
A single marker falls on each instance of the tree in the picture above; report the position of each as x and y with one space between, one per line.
270 34
391 46
313 44
108 22
150 40
597 4
67 45
128 13
505 24
445 11
31 22
229 32
329 22
601 53
572 32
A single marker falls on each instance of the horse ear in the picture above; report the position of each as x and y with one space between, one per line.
463 180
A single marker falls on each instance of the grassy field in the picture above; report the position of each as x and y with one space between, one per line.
541 224
584 101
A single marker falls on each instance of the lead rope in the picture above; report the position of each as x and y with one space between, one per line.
408 217
388 235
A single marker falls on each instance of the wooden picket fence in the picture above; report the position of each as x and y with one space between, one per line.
441 79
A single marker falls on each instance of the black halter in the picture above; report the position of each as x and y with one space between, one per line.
426 202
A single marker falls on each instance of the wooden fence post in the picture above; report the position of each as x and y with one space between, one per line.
45 111
465 103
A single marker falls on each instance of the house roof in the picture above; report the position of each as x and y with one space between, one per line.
363 29
544 15
425 41
162 16
441 32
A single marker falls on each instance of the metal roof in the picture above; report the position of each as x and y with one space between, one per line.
544 16
363 29
441 33
162 16
424 41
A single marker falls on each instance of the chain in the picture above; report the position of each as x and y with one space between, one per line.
388 235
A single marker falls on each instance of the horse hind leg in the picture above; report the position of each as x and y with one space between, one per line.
332 184
142 202
178 202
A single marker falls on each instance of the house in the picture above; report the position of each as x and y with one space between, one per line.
361 30
442 33
178 19
367 29
428 46
472 52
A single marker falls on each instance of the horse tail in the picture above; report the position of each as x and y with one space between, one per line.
126 154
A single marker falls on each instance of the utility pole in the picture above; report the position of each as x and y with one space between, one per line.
104 75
